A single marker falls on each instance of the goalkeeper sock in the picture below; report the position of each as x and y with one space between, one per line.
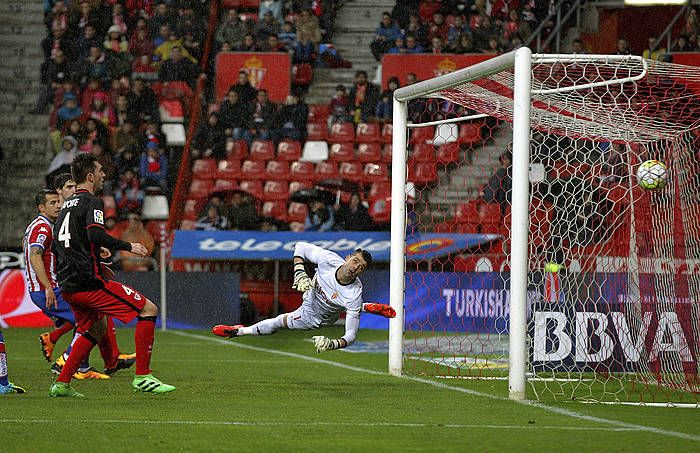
3 362
266 327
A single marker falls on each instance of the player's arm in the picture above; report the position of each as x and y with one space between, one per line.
97 235
36 261
352 324
311 253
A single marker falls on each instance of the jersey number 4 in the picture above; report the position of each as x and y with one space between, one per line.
64 233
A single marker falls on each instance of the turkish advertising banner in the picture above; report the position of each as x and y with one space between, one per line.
425 65
271 71
257 245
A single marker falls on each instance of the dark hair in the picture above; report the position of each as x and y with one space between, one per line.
40 196
82 165
361 72
60 180
365 255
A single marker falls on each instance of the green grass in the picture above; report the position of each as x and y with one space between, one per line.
250 398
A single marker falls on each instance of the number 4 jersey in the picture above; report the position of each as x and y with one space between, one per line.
77 256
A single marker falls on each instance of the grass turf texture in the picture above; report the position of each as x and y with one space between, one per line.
248 399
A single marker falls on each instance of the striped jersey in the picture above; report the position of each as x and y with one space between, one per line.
39 233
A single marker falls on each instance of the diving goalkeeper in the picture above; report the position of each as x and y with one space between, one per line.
335 288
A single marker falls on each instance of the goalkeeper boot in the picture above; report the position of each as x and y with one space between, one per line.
58 365
11 388
226 331
380 309
149 384
61 389
122 363
90 373
46 345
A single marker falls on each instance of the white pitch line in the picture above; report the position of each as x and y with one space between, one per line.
335 424
545 407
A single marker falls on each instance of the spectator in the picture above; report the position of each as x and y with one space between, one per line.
192 45
101 111
623 47
287 36
177 68
515 26
95 132
438 27
363 97
412 46
61 162
246 91
320 217
263 113
483 31
417 30
399 47
577 46
272 6
164 50
140 45
124 136
352 217
459 28
57 40
498 188
494 47
304 51
235 116
161 17
682 44
162 37
83 17
115 40
231 30
290 120
241 212
87 39
96 65
274 45
464 45
308 27
105 159
385 36
53 73
118 18
135 232
122 111
58 18
437 45
339 107
143 101
266 27
154 167
652 52
128 196
68 111
385 106
213 221
248 45
127 159
209 141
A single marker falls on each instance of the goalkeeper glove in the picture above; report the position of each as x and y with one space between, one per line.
302 282
325 344
380 309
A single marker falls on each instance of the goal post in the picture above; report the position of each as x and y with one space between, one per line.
586 286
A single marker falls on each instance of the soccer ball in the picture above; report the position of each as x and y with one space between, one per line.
651 175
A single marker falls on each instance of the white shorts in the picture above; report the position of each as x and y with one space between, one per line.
301 319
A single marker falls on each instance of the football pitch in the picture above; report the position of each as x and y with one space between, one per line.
275 393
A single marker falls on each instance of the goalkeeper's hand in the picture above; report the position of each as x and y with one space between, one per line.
322 343
379 309
302 282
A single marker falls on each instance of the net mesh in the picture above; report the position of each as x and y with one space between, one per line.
613 268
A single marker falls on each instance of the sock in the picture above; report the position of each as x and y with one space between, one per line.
85 364
3 363
266 327
145 327
58 332
108 346
80 350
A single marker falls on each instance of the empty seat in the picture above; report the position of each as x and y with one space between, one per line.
236 149
229 170
262 150
422 173
380 189
221 185
470 133
174 134
386 154
297 212
387 133
342 133
277 170
204 169
423 152
380 210
302 171
253 188
171 111
302 74
448 154
368 133
319 113
369 152
200 188
253 169
316 131
421 135
375 173
315 151
275 190
275 209
295 186
326 170
351 171
289 150
342 152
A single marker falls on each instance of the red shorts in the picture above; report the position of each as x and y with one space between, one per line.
115 300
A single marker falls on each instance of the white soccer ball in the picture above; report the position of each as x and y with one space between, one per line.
651 175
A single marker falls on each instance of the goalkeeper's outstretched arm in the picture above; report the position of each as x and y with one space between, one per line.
352 324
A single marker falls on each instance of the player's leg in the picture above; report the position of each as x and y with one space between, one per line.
6 386
48 339
298 319
144 381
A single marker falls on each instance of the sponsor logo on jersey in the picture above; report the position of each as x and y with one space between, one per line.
43 230
41 238
99 217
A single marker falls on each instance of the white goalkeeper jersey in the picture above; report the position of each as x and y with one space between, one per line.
327 298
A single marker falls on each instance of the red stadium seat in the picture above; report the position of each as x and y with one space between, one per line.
289 150
318 113
297 212
156 228
381 189
421 135
386 154
302 74
368 133
422 173
351 171
251 4
302 171
253 169
253 188
316 132
275 209
200 188
187 224
262 150
275 191
369 152
326 170
342 133
236 150
277 170
221 185
249 17
423 152
387 133
470 133
228 4
204 169
229 170
171 111
341 152
375 173
295 186
380 210
448 154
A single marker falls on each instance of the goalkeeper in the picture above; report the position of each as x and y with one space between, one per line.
335 288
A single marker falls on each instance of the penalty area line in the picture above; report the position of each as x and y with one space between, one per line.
441 385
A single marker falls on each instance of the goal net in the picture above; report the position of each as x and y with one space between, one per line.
580 282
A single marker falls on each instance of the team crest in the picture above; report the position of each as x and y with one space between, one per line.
256 71
335 295
99 217
445 67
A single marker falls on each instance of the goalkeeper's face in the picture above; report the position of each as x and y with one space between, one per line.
354 266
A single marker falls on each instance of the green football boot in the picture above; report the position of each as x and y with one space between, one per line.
149 384
59 389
